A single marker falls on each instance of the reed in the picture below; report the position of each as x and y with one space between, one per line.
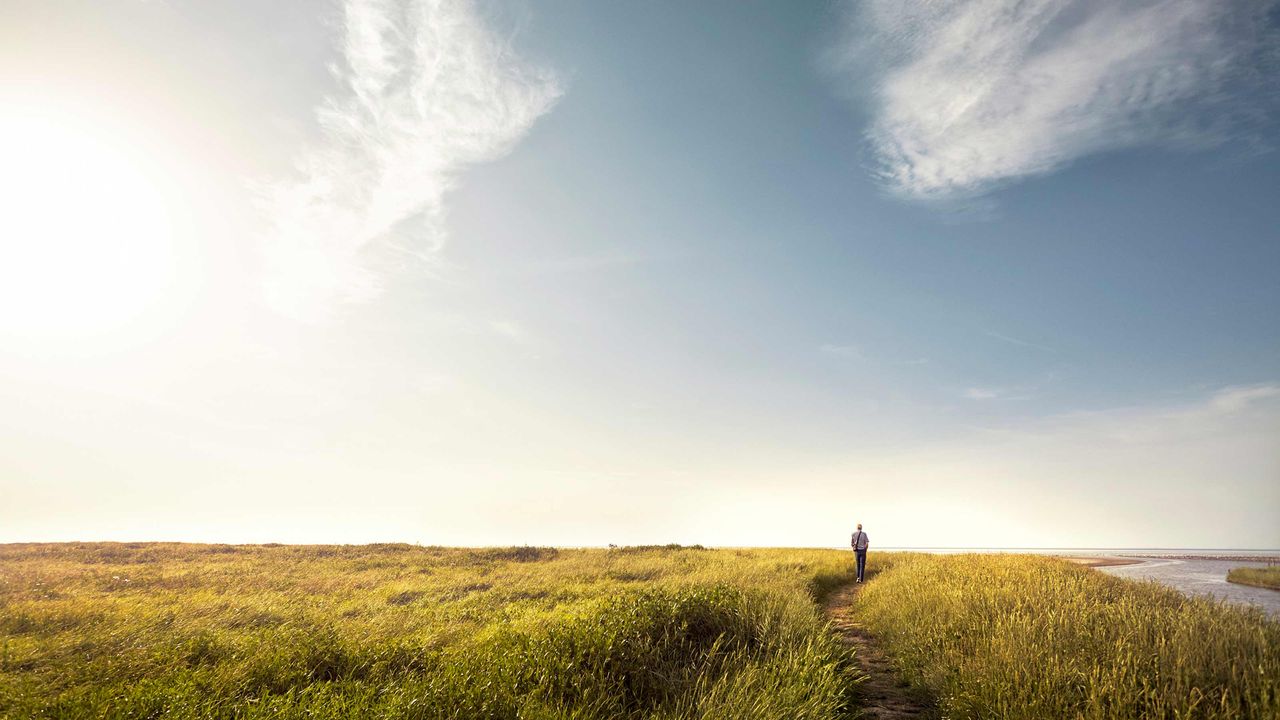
1267 577
1033 637
394 631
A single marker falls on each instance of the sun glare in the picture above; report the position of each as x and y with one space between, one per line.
86 237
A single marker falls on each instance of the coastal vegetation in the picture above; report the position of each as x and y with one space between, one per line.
397 631
1016 636
158 630
1267 577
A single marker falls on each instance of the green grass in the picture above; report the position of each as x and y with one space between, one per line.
1032 637
665 633
192 631
1267 577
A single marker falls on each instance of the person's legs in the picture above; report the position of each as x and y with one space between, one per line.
862 562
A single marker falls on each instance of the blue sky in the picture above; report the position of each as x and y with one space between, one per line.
994 274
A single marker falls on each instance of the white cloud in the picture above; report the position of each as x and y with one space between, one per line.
510 330
967 94
1017 341
851 352
1236 399
430 89
977 393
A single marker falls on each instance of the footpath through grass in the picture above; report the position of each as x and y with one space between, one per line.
192 631
1267 577
394 631
999 636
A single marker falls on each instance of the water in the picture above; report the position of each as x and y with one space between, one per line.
1201 577
1208 553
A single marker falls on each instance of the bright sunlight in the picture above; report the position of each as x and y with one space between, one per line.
86 243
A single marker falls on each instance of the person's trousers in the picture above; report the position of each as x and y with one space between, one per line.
862 562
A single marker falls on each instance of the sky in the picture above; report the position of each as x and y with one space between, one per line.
974 274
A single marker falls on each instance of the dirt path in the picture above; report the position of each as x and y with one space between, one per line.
883 695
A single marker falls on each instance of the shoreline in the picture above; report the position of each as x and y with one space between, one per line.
1118 560
1268 559
1097 562
1253 584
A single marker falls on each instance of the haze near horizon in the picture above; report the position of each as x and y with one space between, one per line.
996 274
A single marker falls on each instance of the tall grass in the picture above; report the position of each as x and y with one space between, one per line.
1267 577
190 631
1032 637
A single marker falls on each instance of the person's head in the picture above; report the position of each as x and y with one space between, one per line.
859 526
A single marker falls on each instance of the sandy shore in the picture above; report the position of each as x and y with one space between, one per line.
1102 561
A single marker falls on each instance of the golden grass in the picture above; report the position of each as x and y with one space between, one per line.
1268 577
395 631
997 636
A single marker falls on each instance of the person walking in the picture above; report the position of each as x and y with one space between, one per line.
860 544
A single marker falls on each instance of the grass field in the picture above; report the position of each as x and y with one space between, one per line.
1033 637
395 631
1267 577
190 631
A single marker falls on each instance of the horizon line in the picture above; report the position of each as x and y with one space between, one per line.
655 545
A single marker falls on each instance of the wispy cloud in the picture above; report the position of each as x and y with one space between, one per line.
1231 400
981 393
853 352
968 94
1000 393
510 330
843 351
429 89
1017 341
